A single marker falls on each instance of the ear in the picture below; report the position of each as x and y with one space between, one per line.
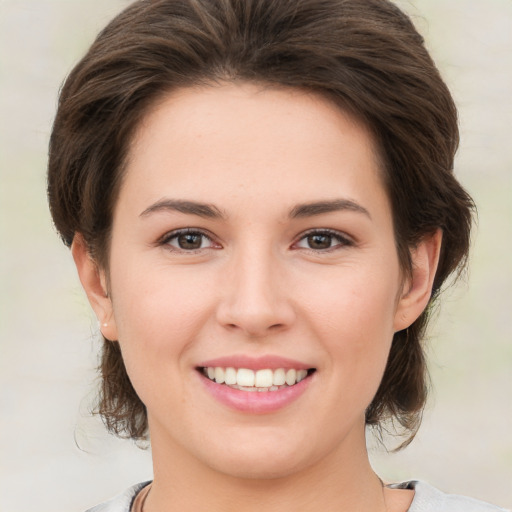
94 282
417 288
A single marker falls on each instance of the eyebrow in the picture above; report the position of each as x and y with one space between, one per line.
188 207
212 212
321 207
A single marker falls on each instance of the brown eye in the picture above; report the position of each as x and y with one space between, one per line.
322 241
188 241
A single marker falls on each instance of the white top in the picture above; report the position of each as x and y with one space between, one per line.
426 499
429 499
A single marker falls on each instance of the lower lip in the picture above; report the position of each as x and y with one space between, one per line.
255 402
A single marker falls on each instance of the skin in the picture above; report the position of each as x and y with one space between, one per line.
256 286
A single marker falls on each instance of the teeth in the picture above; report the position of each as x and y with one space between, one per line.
291 377
263 378
219 375
245 377
250 380
229 376
279 377
301 375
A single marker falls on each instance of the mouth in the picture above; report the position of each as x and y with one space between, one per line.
262 380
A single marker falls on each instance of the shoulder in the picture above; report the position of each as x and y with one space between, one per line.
121 502
430 499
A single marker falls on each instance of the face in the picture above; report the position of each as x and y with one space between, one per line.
254 284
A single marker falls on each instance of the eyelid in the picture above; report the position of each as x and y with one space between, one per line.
167 237
344 239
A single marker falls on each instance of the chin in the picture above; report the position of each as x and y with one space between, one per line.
273 457
258 468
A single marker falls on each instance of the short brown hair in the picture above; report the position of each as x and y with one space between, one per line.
365 55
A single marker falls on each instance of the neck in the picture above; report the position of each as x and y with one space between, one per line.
343 480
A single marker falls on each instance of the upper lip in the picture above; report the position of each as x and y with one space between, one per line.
271 362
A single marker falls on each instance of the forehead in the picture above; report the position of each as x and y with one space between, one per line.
248 108
234 138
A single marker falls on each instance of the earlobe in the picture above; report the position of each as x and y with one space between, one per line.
417 289
94 282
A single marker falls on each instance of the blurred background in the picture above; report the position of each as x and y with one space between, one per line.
55 456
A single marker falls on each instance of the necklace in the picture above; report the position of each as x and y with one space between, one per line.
140 500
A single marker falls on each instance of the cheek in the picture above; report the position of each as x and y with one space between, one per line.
158 316
357 304
354 321
155 301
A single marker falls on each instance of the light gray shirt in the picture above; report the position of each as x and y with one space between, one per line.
426 499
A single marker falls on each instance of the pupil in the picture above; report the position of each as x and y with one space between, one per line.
189 241
319 241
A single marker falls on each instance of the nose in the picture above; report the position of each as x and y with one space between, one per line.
255 300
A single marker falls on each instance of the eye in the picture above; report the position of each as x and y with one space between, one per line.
323 240
187 240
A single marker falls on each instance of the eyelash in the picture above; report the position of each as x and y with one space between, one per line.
343 240
173 235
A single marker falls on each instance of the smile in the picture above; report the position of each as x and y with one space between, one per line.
245 379
256 386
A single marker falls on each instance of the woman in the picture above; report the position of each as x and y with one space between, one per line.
260 202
